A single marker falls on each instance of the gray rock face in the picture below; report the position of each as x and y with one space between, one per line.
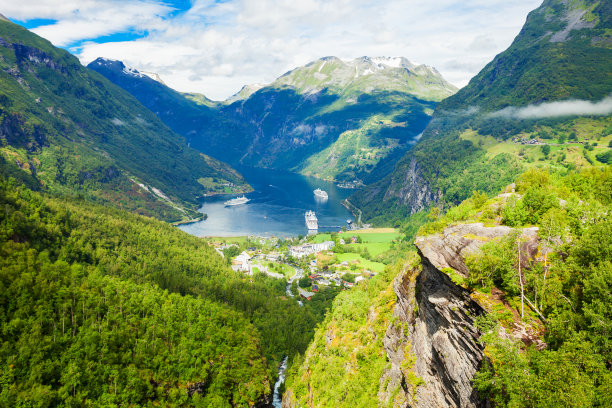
574 21
411 189
433 335
443 343
449 249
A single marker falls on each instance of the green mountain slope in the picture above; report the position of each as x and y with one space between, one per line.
519 283
77 133
505 119
331 119
103 307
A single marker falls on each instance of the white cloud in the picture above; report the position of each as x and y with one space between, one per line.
574 107
215 48
87 19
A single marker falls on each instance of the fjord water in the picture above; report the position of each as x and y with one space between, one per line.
276 208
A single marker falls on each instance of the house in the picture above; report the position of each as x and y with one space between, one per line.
242 262
299 251
359 279
305 294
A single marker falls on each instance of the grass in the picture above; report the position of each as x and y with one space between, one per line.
228 240
571 152
378 235
361 262
283 269
374 248
369 235
321 238
376 240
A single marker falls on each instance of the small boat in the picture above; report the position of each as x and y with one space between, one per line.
320 194
236 201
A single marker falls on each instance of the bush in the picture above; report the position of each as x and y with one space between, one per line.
348 277
494 265
604 157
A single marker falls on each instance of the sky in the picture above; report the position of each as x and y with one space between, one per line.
215 47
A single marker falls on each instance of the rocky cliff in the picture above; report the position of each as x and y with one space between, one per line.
428 343
432 343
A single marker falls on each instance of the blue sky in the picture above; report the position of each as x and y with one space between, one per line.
217 46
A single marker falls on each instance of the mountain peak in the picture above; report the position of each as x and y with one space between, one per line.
119 66
388 62
245 92
367 74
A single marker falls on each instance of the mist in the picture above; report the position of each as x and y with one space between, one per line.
573 107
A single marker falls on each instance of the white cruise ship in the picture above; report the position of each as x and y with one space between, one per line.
236 201
320 194
311 220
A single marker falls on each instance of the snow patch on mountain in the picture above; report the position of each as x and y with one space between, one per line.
133 72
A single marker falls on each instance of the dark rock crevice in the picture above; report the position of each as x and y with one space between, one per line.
443 342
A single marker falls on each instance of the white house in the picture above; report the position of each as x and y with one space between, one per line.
242 262
300 251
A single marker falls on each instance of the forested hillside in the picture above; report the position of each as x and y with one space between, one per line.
543 100
67 128
100 306
534 262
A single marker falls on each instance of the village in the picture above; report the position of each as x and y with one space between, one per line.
314 263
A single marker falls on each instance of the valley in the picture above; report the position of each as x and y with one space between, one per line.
155 245
332 119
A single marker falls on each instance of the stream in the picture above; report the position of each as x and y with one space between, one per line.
277 398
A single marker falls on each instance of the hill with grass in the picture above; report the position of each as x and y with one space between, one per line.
332 119
545 101
67 129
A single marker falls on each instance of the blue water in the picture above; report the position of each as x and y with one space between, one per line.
276 208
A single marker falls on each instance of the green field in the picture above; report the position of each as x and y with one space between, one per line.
321 238
362 263
374 248
593 133
374 235
228 240
283 269
376 240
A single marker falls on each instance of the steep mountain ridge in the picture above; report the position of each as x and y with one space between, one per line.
489 131
73 131
330 119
